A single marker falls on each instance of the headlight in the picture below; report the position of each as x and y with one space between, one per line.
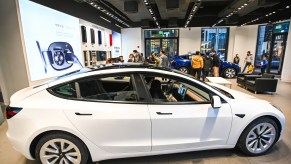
277 107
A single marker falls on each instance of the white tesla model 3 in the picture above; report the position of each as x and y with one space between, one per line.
116 112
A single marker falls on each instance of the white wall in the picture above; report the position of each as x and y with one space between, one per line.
286 71
189 40
13 70
245 39
131 39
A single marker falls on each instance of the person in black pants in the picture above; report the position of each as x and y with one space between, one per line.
207 65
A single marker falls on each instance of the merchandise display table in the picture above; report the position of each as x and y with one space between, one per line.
219 80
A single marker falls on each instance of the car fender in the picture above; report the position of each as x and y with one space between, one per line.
254 110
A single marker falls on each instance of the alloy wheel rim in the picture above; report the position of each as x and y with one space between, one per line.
184 70
261 138
60 151
230 73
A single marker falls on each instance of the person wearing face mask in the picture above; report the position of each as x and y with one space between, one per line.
248 60
207 65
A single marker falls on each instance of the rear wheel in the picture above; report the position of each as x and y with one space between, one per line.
184 70
61 148
229 73
259 137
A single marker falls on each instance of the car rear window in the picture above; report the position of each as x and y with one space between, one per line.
66 90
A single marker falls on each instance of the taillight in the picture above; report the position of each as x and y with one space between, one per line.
12 111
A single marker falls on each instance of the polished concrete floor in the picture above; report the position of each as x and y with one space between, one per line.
280 154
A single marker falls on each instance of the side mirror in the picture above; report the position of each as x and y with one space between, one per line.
215 102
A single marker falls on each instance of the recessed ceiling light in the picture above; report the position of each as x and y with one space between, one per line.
239 8
91 3
287 7
267 15
146 3
245 4
274 12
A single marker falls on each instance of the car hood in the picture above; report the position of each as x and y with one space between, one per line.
236 94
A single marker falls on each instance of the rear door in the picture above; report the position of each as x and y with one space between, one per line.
111 113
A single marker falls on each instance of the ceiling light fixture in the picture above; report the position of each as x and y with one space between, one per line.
193 11
105 19
151 11
107 13
287 7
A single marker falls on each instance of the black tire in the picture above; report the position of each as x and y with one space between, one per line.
184 70
229 73
242 142
83 151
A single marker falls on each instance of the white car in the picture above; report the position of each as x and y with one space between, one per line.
129 111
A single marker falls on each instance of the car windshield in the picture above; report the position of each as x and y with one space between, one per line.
217 89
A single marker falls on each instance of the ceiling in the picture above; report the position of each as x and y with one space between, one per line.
189 13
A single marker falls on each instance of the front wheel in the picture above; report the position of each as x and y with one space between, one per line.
229 73
259 137
184 70
61 148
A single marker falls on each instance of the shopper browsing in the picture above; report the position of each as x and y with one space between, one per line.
248 60
264 64
236 59
197 64
207 62
164 59
215 64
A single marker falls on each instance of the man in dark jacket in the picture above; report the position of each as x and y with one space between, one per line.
207 65
215 64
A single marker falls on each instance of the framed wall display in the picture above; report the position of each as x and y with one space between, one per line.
84 34
110 39
92 36
99 37
85 57
101 55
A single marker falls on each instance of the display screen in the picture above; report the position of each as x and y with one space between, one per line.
116 43
99 37
101 55
52 41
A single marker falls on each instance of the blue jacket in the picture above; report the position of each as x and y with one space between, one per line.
264 63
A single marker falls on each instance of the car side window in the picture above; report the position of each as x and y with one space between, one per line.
66 90
164 89
112 88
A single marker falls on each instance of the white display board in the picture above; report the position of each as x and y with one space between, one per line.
116 44
52 40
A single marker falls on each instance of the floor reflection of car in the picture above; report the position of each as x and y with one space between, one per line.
96 115
183 64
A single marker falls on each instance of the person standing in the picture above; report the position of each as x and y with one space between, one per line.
248 60
207 62
264 64
215 64
163 59
130 58
236 59
197 64
137 57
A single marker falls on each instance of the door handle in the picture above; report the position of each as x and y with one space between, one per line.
83 114
161 113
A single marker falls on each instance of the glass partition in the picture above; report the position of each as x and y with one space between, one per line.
215 39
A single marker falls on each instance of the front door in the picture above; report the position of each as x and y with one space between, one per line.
182 116
110 113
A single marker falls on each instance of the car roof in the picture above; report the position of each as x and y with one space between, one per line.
109 68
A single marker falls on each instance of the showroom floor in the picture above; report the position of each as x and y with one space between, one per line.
280 154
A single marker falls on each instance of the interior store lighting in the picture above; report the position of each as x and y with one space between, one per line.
195 8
